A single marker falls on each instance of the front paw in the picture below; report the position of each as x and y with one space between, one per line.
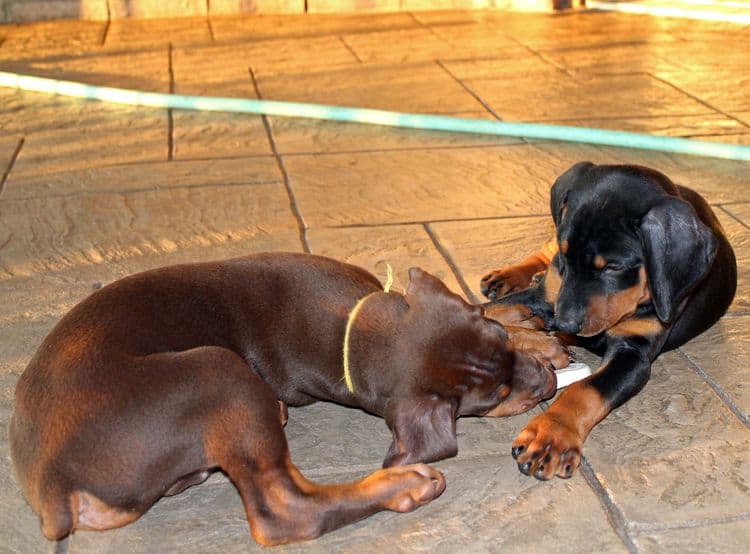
548 447
500 282
405 488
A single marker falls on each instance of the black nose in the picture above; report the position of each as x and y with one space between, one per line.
568 325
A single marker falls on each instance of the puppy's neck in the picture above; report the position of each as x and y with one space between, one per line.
369 355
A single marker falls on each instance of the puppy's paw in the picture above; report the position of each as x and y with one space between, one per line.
548 349
548 447
405 488
500 282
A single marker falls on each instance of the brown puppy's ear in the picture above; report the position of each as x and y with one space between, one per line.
422 286
424 430
679 250
561 188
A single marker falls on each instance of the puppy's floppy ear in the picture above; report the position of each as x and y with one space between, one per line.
562 186
422 285
679 250
424 430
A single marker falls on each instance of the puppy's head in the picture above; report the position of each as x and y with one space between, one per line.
468 356
625 239
454 362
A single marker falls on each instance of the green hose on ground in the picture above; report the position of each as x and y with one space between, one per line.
377 117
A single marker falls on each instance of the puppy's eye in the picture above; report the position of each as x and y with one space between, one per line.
613 268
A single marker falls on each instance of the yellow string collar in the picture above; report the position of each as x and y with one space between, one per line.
350 324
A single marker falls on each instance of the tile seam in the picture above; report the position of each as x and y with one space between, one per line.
614 514
11 164
451 263
643 526
695 98
118 192
724 209
468 89
293 204
717 388
170 113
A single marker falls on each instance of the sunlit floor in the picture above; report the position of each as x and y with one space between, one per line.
92 192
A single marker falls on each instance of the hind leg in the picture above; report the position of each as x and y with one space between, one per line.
244 436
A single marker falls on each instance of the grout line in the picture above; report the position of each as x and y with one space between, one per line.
544 58
451 263
695 98
723 208
689 524
351 50
11 163
78 194
105 33
170 113
446 220
717 388
208 21
282 167
468 89
614 514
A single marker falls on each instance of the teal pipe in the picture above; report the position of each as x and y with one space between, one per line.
377 117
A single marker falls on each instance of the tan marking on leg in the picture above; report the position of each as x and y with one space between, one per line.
552 283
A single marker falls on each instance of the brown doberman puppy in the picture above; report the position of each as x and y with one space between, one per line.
158 379
637 266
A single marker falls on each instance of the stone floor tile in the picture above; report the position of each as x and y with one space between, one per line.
722 353
283 57
723 90
709 127
515 515
587 30
140 135
693 56
202 135
50 38
146 69
401 46
417 87
20 526
120 179
507 67
8 147
729 536
480 41
401 246
558 97
373 188
235 28
478 247
140 33
306 136
673 454
739 237
639 57
56 233
718 181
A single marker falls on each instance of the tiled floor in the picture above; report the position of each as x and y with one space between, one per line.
92 192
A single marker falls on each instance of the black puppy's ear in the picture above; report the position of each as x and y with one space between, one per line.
562 186
423 285
424 430
679 250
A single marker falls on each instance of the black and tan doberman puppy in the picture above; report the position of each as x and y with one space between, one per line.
160 378
637 266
